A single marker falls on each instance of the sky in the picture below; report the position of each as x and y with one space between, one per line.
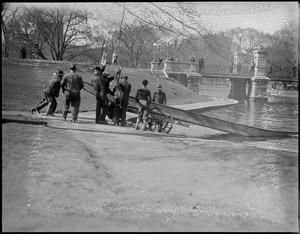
265 16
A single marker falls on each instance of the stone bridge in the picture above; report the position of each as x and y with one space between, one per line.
242 86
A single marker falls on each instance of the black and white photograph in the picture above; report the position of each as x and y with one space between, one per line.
150 116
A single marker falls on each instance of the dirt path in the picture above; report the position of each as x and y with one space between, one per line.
87 177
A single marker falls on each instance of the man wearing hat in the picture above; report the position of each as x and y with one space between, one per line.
159 97
100 82
51 91
71 85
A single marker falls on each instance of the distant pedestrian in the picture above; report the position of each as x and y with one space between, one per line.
51 92
238 68
160 61
114 59
23 52
230 68
71 85
193 60
143 98
270 72
201 65
159 97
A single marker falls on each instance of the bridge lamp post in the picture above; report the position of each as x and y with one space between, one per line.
168 47
154 47
240 41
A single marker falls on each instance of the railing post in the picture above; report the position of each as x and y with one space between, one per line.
239 62
237 87
168 68
154 67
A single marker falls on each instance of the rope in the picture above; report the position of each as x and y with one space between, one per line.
278 66
88 91
87 83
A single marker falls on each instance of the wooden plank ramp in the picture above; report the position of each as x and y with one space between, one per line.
217 124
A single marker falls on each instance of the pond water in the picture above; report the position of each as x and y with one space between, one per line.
278 113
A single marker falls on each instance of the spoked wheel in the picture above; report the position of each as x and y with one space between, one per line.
161 120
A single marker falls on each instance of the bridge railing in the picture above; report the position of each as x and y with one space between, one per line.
181 67
226 75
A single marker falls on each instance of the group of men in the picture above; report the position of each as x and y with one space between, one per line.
101 82
72 84
143 98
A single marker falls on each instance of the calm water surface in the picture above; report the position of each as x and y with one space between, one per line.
278 113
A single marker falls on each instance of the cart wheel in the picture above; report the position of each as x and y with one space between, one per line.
160 118
167 122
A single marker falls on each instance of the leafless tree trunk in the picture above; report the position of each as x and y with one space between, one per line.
7 25
55 29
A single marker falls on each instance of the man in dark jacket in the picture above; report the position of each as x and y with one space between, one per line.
125 100
121 105
51 92
100 83
71 85
143 98
159 97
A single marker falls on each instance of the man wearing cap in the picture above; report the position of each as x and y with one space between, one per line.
100 83
101 98
51 91
159 97
71 85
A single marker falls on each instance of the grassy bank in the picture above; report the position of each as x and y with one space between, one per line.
23 82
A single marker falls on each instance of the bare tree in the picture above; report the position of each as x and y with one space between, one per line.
136 43
58 30
180 20
283 52
8 16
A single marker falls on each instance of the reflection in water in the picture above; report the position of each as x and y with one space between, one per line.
276 114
